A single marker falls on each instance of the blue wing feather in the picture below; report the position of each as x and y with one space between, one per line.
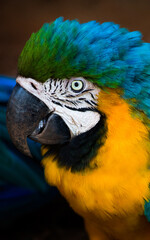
22 184
147 210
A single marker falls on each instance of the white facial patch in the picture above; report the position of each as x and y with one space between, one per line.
75 100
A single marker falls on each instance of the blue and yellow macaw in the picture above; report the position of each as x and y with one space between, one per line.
83 92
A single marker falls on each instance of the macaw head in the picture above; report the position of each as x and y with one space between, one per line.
69 74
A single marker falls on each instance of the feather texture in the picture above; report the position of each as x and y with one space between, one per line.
103 53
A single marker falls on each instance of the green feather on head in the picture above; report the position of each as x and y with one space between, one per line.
102 53
66 49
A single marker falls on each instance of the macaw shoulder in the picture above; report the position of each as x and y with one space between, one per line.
120 182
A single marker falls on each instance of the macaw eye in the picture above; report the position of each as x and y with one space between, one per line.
77 85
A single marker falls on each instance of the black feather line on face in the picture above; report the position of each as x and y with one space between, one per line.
82 109
87 90
63 93
72 102
79 151
94 103
69 96
57 103
66 85
54 82
50 85
82 99
60 89
59 99
88 102
92 96
55 88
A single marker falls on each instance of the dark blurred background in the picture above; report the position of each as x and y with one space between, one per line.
18 19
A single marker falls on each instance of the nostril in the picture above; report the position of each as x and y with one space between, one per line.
33 86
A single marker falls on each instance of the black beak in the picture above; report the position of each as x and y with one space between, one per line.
28 116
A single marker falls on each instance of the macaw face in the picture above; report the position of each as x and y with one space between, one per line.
53 112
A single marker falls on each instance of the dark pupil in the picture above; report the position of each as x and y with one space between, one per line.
76 84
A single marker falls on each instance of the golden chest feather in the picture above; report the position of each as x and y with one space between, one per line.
120 183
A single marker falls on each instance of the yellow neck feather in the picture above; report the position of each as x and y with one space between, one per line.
120 183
